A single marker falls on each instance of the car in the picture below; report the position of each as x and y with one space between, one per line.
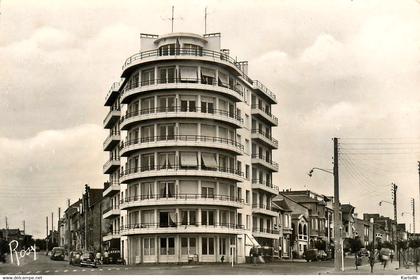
58 254
311 255
322 255
88 259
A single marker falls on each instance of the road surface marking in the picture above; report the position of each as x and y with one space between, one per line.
56 271
117 268
46 271
126 268
65 270
74 270
109 268
83 269
28 272
92 269
100 269
38 271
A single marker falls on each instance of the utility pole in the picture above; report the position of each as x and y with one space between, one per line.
24 231
338 254
46 239
7 230
395 235
205 20
413 206
52 228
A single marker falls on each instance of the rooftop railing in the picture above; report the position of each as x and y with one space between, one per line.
180 225
265 230
264 89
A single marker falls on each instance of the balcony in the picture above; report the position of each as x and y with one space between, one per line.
112 117
265 233
112 189
112 235
181 199
156 228
264 138
130 146
264 115
260 88
227 117
265 186
110 213
230 90
264 210
111 141
267 163
181 54
111 165
112 94
176 170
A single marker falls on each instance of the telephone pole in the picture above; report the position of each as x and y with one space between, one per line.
395 234
46 239
413 208
338 254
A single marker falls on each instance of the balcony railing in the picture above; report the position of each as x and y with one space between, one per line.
264 89
109 208
232 85
266 230
180 225
177 109
193 138
182 197
268 185
268 113
262 206
265 135
168 167
269 161
113 232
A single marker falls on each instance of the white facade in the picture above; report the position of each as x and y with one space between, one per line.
190 154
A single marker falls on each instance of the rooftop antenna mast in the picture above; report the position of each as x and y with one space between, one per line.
172 19
205 20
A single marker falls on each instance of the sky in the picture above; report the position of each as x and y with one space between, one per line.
347 69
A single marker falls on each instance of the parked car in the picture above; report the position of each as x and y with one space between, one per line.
322 255
88 259
58 253
311 255
74 257
113 257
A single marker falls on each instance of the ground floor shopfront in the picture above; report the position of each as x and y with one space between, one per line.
184 248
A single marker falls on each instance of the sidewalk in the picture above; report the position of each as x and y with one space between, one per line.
378 269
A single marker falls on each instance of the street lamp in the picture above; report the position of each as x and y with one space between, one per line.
338 245
384 201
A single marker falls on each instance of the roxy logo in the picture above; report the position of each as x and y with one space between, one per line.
13 245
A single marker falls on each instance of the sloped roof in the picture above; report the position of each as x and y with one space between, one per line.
347 208
282 205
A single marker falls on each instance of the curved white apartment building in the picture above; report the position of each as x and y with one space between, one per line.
190 166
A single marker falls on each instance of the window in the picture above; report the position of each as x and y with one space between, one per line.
188 104
133 82
247 146
147 162
207 246
166 104
207 217
147 105
167 246
188 246
191 49
247 171
146 189
247 121
148 218
188 217
167 219
133 108
147 133
223 79
148 77
208 161
188 129
222 246
207 189
189 160
247 197
166 160
166 75
188 74
149 246
166 132
168 49
207 105
248 221
208 76
166 189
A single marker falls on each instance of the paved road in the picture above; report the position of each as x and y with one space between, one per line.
43 265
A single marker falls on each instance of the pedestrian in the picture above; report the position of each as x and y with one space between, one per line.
222 259
106 259
391 255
